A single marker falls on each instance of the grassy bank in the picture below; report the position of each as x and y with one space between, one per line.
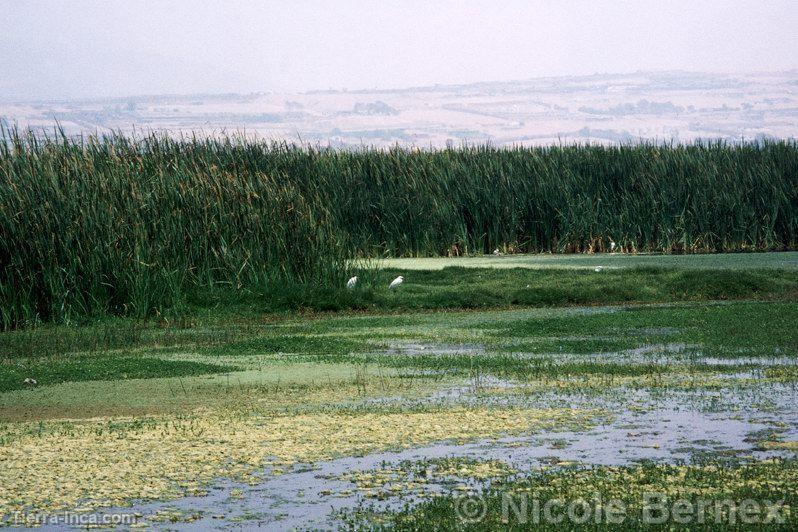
546 261
482 288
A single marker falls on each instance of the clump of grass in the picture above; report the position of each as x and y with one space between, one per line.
48 371
47 340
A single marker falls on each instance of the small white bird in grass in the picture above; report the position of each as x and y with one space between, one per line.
350 284
30 382
598 268
612 246
396 282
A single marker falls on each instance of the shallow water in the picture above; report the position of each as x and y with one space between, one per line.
658 353
419 348
664 426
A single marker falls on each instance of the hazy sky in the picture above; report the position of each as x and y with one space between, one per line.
79 48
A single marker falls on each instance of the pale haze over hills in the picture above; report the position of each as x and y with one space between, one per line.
609 109
590 70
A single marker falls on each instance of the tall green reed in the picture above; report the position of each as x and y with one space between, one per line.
130 225
115 225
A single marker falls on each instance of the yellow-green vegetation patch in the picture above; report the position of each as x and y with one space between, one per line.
106 462
782 373
421 478
274 386
780 445
470 468
384 482
590 261
174 515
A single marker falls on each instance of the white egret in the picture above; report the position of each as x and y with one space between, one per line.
30 382
598 268
612 246
396 282
350 284
497 252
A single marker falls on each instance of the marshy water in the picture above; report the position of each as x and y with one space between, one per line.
672 424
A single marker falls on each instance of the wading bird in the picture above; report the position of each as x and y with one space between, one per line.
396 282
350 284
612 246
598 268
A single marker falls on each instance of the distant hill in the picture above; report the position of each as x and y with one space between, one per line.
608 109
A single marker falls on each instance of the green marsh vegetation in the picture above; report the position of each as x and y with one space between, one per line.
525 344
138 226
704 483
181 302
124 226
223 380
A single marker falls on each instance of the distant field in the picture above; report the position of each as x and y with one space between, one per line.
541 111
783 260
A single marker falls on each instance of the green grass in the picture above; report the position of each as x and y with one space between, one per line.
46 340
500 340
231 333
711 482
451 288
718 329
235 323
482 288
293 343
749 329
715 261
47 371
245 384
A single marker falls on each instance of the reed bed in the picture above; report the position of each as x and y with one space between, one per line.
125 225
115 225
